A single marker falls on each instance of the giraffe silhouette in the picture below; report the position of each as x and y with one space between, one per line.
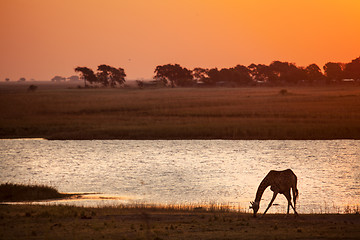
279 182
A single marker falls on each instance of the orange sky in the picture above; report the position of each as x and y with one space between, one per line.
43 38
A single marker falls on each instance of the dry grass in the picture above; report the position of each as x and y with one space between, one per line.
143 221
67 222
222 113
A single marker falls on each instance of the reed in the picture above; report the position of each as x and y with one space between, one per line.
191 207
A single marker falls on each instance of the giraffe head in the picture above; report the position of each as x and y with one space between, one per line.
255 206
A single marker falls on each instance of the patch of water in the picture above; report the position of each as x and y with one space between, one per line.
188 171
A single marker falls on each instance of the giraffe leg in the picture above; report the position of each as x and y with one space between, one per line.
271 202
288 197
288 209
294 209
295 194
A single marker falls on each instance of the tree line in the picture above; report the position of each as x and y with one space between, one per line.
276 73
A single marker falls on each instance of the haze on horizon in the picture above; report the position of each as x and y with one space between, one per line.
41 38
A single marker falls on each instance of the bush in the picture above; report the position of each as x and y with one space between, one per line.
283 92
32 88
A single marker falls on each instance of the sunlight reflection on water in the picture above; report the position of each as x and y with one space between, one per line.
188 171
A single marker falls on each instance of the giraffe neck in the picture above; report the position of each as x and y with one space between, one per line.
263 185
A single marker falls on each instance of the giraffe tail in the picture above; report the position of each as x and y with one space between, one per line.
295 190
296 193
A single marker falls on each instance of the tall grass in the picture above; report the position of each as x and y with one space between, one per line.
212 207
244 113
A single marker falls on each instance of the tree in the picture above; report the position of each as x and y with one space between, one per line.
87 74
7 79
260 72
279 70
175 74
117 76
313 73
334 71
110 76
73 78
352 69
22 79
284 72
103 74
58 79
296 74
214 77
200 74
240 75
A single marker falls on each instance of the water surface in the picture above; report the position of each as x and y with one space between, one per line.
188 171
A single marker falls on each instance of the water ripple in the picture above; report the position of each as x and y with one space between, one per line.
188 171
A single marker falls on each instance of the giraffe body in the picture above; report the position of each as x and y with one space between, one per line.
279 182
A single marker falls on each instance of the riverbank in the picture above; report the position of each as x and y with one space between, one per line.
181 113
67 222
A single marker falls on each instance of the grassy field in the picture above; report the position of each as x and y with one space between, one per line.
66 222
57 112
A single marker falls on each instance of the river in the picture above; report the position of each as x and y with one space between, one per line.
188 171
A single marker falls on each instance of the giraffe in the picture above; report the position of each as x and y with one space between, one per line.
279 182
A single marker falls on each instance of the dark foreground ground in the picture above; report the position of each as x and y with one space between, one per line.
65 222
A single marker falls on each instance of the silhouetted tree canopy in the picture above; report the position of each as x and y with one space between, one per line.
58 79
314 73
200 74
352 69
87 75
238 75
117 76
275 74
260 72
214 76
241 75
73 78
110 76
333 71
284 72
175 74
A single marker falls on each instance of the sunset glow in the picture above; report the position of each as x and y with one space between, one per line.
41 38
